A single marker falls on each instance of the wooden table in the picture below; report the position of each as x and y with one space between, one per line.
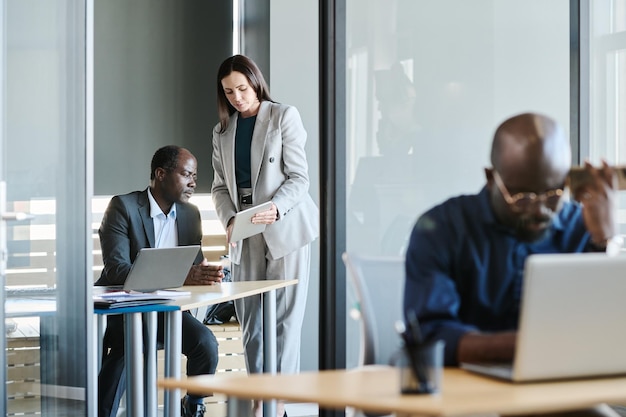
376 389
199 296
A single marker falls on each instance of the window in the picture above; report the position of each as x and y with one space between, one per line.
607 101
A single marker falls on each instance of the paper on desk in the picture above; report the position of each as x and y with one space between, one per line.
171 293
119 299
143 295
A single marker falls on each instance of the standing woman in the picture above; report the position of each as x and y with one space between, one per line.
259 156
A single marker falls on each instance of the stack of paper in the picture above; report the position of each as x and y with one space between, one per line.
126 299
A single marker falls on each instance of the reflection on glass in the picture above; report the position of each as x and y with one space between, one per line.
381 204
43 132
427 83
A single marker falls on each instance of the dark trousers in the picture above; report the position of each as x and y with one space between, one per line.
199 345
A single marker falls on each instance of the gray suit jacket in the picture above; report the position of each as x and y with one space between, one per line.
127 227
279 173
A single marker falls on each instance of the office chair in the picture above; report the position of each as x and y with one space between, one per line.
379 285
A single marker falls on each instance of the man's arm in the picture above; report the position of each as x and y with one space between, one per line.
115 242
442 283
599 200
486 347
430 290
190 233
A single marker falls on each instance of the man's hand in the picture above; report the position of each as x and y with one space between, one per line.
204 274
599 200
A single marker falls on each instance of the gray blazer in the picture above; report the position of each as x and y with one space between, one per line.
279 172
127 227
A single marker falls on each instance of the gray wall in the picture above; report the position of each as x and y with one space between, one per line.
155 66
294 69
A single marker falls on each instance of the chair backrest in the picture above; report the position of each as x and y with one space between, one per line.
379 285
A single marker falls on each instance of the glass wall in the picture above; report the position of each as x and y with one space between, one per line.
44 158
427 84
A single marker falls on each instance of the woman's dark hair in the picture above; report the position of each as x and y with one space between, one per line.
166 158
249 69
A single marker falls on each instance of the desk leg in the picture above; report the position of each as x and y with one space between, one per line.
173 341
150 364
96 363
133 363
236 407
269 344
101 326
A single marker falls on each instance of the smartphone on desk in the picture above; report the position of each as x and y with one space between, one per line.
578 176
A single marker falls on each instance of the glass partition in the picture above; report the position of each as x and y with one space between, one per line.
427 84
47 289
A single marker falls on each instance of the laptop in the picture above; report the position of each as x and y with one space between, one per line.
571 321
160 268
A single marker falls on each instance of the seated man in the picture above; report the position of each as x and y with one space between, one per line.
465 259
159 216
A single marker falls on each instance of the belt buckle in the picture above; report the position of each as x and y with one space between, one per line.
246 199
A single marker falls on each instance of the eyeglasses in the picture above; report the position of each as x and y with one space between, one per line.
524 201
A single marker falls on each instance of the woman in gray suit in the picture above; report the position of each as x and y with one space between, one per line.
259 156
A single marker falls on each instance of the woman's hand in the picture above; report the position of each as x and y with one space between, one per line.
268 216
229 231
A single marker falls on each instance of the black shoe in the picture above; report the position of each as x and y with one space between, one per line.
191 410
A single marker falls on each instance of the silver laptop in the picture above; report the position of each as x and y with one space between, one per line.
160 268
572 320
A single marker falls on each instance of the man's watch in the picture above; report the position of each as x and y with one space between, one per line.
614 245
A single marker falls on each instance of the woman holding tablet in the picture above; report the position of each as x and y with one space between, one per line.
258 157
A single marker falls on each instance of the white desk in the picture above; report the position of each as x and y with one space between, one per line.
138 404
376 389
203 295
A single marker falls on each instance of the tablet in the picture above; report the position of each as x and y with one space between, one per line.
243 226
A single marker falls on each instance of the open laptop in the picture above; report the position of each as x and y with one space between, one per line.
572 319
160 268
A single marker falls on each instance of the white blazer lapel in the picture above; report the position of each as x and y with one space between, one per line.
259 136
228 157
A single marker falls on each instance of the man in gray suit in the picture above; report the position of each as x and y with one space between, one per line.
159 216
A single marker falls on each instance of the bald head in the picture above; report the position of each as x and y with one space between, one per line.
530 154
532 145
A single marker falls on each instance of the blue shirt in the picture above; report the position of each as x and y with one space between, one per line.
464 269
